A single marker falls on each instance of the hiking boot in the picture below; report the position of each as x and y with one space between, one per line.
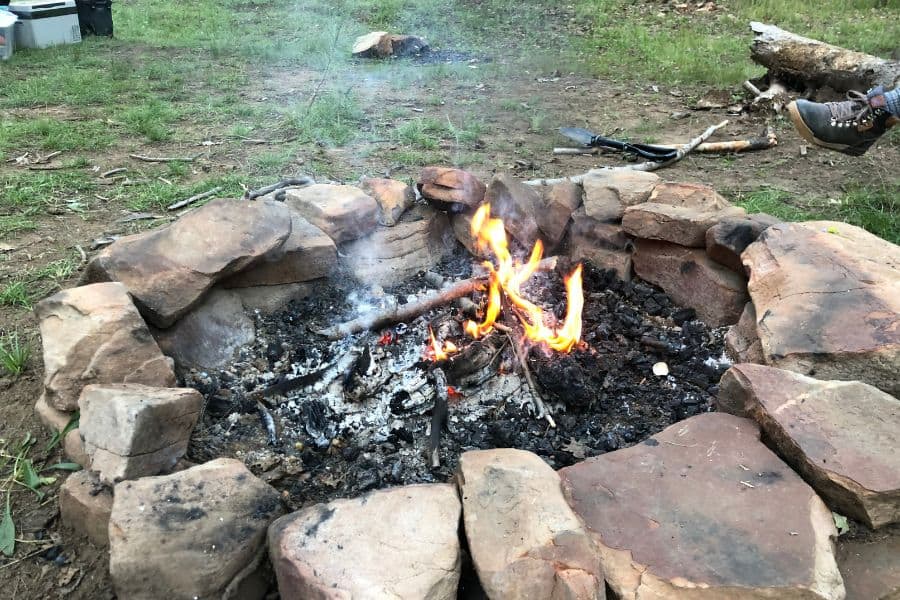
851 126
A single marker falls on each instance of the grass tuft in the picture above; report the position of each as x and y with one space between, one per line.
14 354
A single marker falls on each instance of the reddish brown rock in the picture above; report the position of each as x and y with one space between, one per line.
871 566
393 197
741 341
94 334
560 201
85 505
57 420
395 543
704 510
689 276
131 430
727 239
604 245
607 193
168 270
198 533
461 224
524 538
842 436
343 212
827 297
688 195
682 225
448 186
307 254
391 255
517 205
208 337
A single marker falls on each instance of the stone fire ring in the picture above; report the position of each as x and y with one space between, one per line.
703 509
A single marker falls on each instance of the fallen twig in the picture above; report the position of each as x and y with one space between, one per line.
536 401
192 199
112 172
161 159
411 310
268 423
288 181
644 166
438 417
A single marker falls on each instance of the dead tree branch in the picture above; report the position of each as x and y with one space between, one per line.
644 166
287 182
192 199
163 159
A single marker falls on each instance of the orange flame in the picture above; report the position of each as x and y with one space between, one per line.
509 276
437 351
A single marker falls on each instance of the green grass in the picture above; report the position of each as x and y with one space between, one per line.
16 293
334 118
14 353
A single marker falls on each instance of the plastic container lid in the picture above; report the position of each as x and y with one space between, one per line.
7 19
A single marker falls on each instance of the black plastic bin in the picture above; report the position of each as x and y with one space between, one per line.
95 17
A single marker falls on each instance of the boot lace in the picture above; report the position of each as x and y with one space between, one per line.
854 111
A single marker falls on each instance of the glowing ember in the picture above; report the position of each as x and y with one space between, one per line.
508 276
437 351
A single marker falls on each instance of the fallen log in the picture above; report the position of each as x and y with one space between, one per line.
790 56
411 310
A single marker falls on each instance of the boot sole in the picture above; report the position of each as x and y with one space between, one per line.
807 134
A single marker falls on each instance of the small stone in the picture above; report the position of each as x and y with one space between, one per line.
607 193
660 369
57 420
393 197
198 533
524 538
842 436
682 225
343 212
393 543
445 187
560 201
692 279
727 239
131 430
168 270
208 337
94 334
85 505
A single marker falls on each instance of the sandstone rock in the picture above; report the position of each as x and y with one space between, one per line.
688 195
198 533
462 230
517 205
842 436
444 186
703 510
396 543
391 255
602 244
94 334
208 337
168 270
682 225
85 505
130 430
560 201
827 296
607 193
689 276
727 239
344 212
308 253
381 44
393 197
741 341
57 420
871 568
524 538
268 299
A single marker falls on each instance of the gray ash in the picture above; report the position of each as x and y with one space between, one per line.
354 414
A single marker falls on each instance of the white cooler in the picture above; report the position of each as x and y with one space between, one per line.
7 34
46 23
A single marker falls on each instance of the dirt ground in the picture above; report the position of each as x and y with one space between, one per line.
79 571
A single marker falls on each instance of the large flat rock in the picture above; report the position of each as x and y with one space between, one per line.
692 279
842 436
704 510
344 212
94 334
604 245
393 197
560 201
524 538
198 533
607 193
395 543
870 565
683 225
827 298
445 187
168 270
741 341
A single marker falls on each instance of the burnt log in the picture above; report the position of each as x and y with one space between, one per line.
816 64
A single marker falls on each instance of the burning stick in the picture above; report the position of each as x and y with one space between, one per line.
438 416
537 402
644 166
411 310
